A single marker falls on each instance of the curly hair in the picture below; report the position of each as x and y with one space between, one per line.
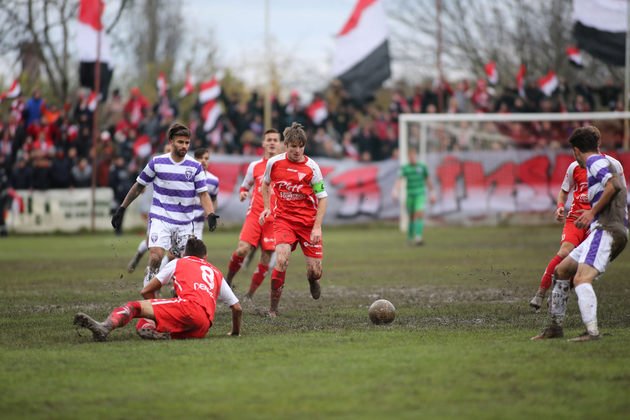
294 134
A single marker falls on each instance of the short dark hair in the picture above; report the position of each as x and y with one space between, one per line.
200 152
178 130
195 248
295 134
270 131
586 139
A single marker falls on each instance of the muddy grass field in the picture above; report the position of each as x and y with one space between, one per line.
459 346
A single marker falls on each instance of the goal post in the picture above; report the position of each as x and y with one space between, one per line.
496 176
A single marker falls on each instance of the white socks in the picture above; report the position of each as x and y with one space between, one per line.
142 247
587 301
559 298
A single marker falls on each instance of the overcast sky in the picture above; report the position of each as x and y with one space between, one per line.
302 32
301 29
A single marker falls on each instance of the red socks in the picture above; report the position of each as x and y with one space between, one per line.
545 282
259 276
123 314
277 279
235 263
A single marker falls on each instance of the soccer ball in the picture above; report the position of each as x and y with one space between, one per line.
382 312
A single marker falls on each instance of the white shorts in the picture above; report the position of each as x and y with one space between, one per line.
170 237
198 229
595 250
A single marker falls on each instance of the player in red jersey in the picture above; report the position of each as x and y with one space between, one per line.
572 236
189 315
253 233
298 211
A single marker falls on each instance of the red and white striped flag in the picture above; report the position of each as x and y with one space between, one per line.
575 56
93 45
92 101
161 85
548 83
210 112
89 29
13 92
317 111
209 90
491 73
520 81
361 60
189 86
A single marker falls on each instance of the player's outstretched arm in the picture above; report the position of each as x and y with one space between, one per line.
237 315
135 190
148 292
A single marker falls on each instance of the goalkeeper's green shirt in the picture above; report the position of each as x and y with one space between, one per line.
416 176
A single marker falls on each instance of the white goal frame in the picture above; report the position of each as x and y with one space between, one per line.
427 120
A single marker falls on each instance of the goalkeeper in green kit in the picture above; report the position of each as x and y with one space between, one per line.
416 175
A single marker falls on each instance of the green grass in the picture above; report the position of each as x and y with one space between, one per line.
459 347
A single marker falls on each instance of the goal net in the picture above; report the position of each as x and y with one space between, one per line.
499 168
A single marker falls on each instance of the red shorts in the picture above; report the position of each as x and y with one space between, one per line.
181 318
287 233
573 234
254 234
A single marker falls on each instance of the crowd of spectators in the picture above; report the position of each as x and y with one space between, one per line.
43 145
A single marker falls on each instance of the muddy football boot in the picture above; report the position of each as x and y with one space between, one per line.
552 331
99 330
316 290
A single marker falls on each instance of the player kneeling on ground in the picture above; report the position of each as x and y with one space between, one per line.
197 283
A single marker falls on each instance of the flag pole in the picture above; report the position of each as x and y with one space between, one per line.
95 134
268 59
626 89
438 50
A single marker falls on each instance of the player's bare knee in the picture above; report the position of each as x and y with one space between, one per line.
314 274
562 273
155 259
314 270
243 249
265 257
282 263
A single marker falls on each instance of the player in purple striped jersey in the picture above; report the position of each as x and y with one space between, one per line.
202 155
608 222
179 181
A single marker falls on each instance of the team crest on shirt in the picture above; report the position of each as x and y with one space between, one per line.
189 173
154 237
301 175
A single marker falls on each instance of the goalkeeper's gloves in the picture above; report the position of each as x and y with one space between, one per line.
117 218
212 221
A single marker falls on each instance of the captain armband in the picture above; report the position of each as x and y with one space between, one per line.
318 187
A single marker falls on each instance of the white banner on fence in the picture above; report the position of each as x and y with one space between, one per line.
470 187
